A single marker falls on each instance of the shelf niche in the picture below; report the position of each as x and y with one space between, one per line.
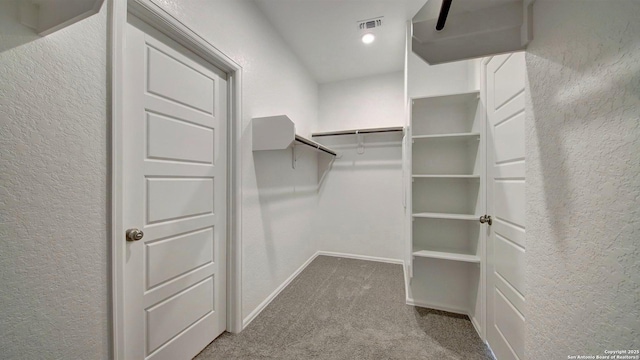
446 200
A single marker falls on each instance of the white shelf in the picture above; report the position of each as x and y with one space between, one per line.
447 256
448 136
47 17
462 96
445 176
360 131
471 29
445 216
279 133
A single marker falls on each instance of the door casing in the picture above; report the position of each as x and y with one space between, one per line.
162 21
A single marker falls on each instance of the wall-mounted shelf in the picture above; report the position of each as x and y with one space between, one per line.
447 256
359 131
279 133
445 216
470 29
448 136
445 176
49 16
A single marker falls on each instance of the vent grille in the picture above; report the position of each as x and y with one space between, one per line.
370 23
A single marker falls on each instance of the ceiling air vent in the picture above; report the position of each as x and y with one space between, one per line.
370 23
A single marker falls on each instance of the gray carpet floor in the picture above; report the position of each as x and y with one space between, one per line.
349 309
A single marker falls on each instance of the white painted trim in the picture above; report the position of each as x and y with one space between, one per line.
485 183
276 292
476 326
179 32
117 19
360 257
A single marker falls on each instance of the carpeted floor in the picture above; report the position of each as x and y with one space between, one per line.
349 309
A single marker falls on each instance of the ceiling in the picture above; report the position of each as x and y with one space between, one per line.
324 34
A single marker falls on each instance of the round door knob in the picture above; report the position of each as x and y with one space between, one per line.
134 234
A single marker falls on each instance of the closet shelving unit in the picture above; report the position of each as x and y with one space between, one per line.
447 198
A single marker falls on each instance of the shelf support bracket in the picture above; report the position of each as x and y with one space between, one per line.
360 148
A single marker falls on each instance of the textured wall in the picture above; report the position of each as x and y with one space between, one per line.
583 181
360 205
53 179
278 202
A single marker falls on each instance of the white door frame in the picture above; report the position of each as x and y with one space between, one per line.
185 36
485 229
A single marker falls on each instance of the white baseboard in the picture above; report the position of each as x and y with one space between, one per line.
360 257
475 325
275 293
286 283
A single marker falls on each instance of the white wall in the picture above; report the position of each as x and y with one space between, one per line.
372 101
583 183
360 205
54 247
278 202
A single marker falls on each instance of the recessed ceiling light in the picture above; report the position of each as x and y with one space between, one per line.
368 38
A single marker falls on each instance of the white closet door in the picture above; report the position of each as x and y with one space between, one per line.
506 204
175 192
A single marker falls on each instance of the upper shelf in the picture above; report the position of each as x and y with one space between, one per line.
49 16
448 136
470 29
278 133
359 131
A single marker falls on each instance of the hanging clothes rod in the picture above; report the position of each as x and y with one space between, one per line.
444 12
315 145
359 131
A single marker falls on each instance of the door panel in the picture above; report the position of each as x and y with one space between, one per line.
510 323
509 262
178 81
173 198
186 252
173 139
175 191
511 133
508 200
505 84
191 304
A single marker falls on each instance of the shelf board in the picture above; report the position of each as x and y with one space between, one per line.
46 17
445 176
279 133
360 131
463 95
447 256
447 136
445 216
